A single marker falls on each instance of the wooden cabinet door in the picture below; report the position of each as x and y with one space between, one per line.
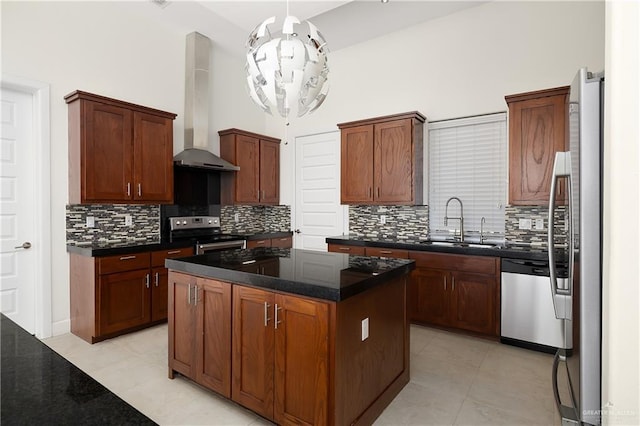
153 158
212 300
253 349
473 304
429 296
106 169
356 165
124 300
302 361
182 325
537 130
248 177
393 162
269 172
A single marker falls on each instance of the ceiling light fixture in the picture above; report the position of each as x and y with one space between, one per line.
289 73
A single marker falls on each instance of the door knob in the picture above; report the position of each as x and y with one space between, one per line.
297 231
25 245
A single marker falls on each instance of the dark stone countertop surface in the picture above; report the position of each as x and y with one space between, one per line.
503 250
39 387
322 275
114 248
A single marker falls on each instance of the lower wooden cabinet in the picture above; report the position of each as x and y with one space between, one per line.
113 295
200 331
280 356
339 248
282 242
455 291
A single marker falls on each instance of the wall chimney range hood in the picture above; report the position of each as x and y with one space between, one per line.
196 111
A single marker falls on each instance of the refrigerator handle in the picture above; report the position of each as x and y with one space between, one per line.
559 294
568 413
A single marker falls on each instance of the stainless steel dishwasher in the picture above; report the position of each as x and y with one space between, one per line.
527 315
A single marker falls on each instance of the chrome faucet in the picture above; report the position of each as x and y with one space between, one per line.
461 218
482 222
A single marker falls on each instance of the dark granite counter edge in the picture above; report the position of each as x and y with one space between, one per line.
91 251
286 286
502 252
267 235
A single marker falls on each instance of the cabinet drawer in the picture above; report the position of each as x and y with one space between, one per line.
258 243
158 257
338 248
284 242
125 262
456 262
386 252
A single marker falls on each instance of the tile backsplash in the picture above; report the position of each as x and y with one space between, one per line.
409 223
255 219
110 223
513 234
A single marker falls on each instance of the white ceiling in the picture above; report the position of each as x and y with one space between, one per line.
342 23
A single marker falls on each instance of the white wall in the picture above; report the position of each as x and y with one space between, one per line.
621 295
105 48
459 65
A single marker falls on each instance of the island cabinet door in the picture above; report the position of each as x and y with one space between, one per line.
253 350
212 301
302 357
182 323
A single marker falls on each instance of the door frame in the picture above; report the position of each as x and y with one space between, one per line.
42 175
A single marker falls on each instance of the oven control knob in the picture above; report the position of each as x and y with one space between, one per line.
184 222
209 222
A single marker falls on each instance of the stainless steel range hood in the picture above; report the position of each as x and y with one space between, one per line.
196 111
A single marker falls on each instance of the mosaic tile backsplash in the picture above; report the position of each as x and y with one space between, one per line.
410 223
255 219
110 223
513 214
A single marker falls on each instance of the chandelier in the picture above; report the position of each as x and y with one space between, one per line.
288 73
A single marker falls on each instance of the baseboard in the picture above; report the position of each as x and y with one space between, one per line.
61 327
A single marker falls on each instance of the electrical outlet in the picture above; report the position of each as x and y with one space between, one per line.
128 220
365 329
524 224
236 217
539 224
91 221
383 219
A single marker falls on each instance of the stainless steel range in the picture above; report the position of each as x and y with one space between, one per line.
204 232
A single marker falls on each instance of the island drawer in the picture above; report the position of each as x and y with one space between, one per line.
125 262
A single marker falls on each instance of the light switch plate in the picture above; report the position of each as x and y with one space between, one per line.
91 222
383 219
365 329
539 224
524 224
236 217
128 220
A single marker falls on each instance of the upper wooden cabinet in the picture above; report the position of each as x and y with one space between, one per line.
118 152
381 160
258 156
537 130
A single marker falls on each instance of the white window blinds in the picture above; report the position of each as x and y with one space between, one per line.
468 160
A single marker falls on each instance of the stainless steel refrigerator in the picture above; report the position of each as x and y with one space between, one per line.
577 301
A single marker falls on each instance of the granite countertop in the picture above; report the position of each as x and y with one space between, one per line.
322 275
41 387
504 250
113 248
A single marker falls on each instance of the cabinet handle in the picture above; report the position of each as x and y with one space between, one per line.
195 295
174 252
139 190
370 190
386 252
345 248
264 194
261 242
378 192
266 313
128 189
189 295
453 283
127 257
445 283
146 280
157 279
276 314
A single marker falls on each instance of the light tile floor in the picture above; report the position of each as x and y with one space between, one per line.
455 380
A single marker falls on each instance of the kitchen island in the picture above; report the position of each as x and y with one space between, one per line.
299 337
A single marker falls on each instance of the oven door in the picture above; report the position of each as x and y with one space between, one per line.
220 245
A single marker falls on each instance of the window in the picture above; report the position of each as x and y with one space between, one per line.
468 160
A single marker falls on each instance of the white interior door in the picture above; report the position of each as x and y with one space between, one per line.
318 213
17 216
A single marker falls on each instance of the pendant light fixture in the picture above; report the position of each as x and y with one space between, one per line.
287 73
